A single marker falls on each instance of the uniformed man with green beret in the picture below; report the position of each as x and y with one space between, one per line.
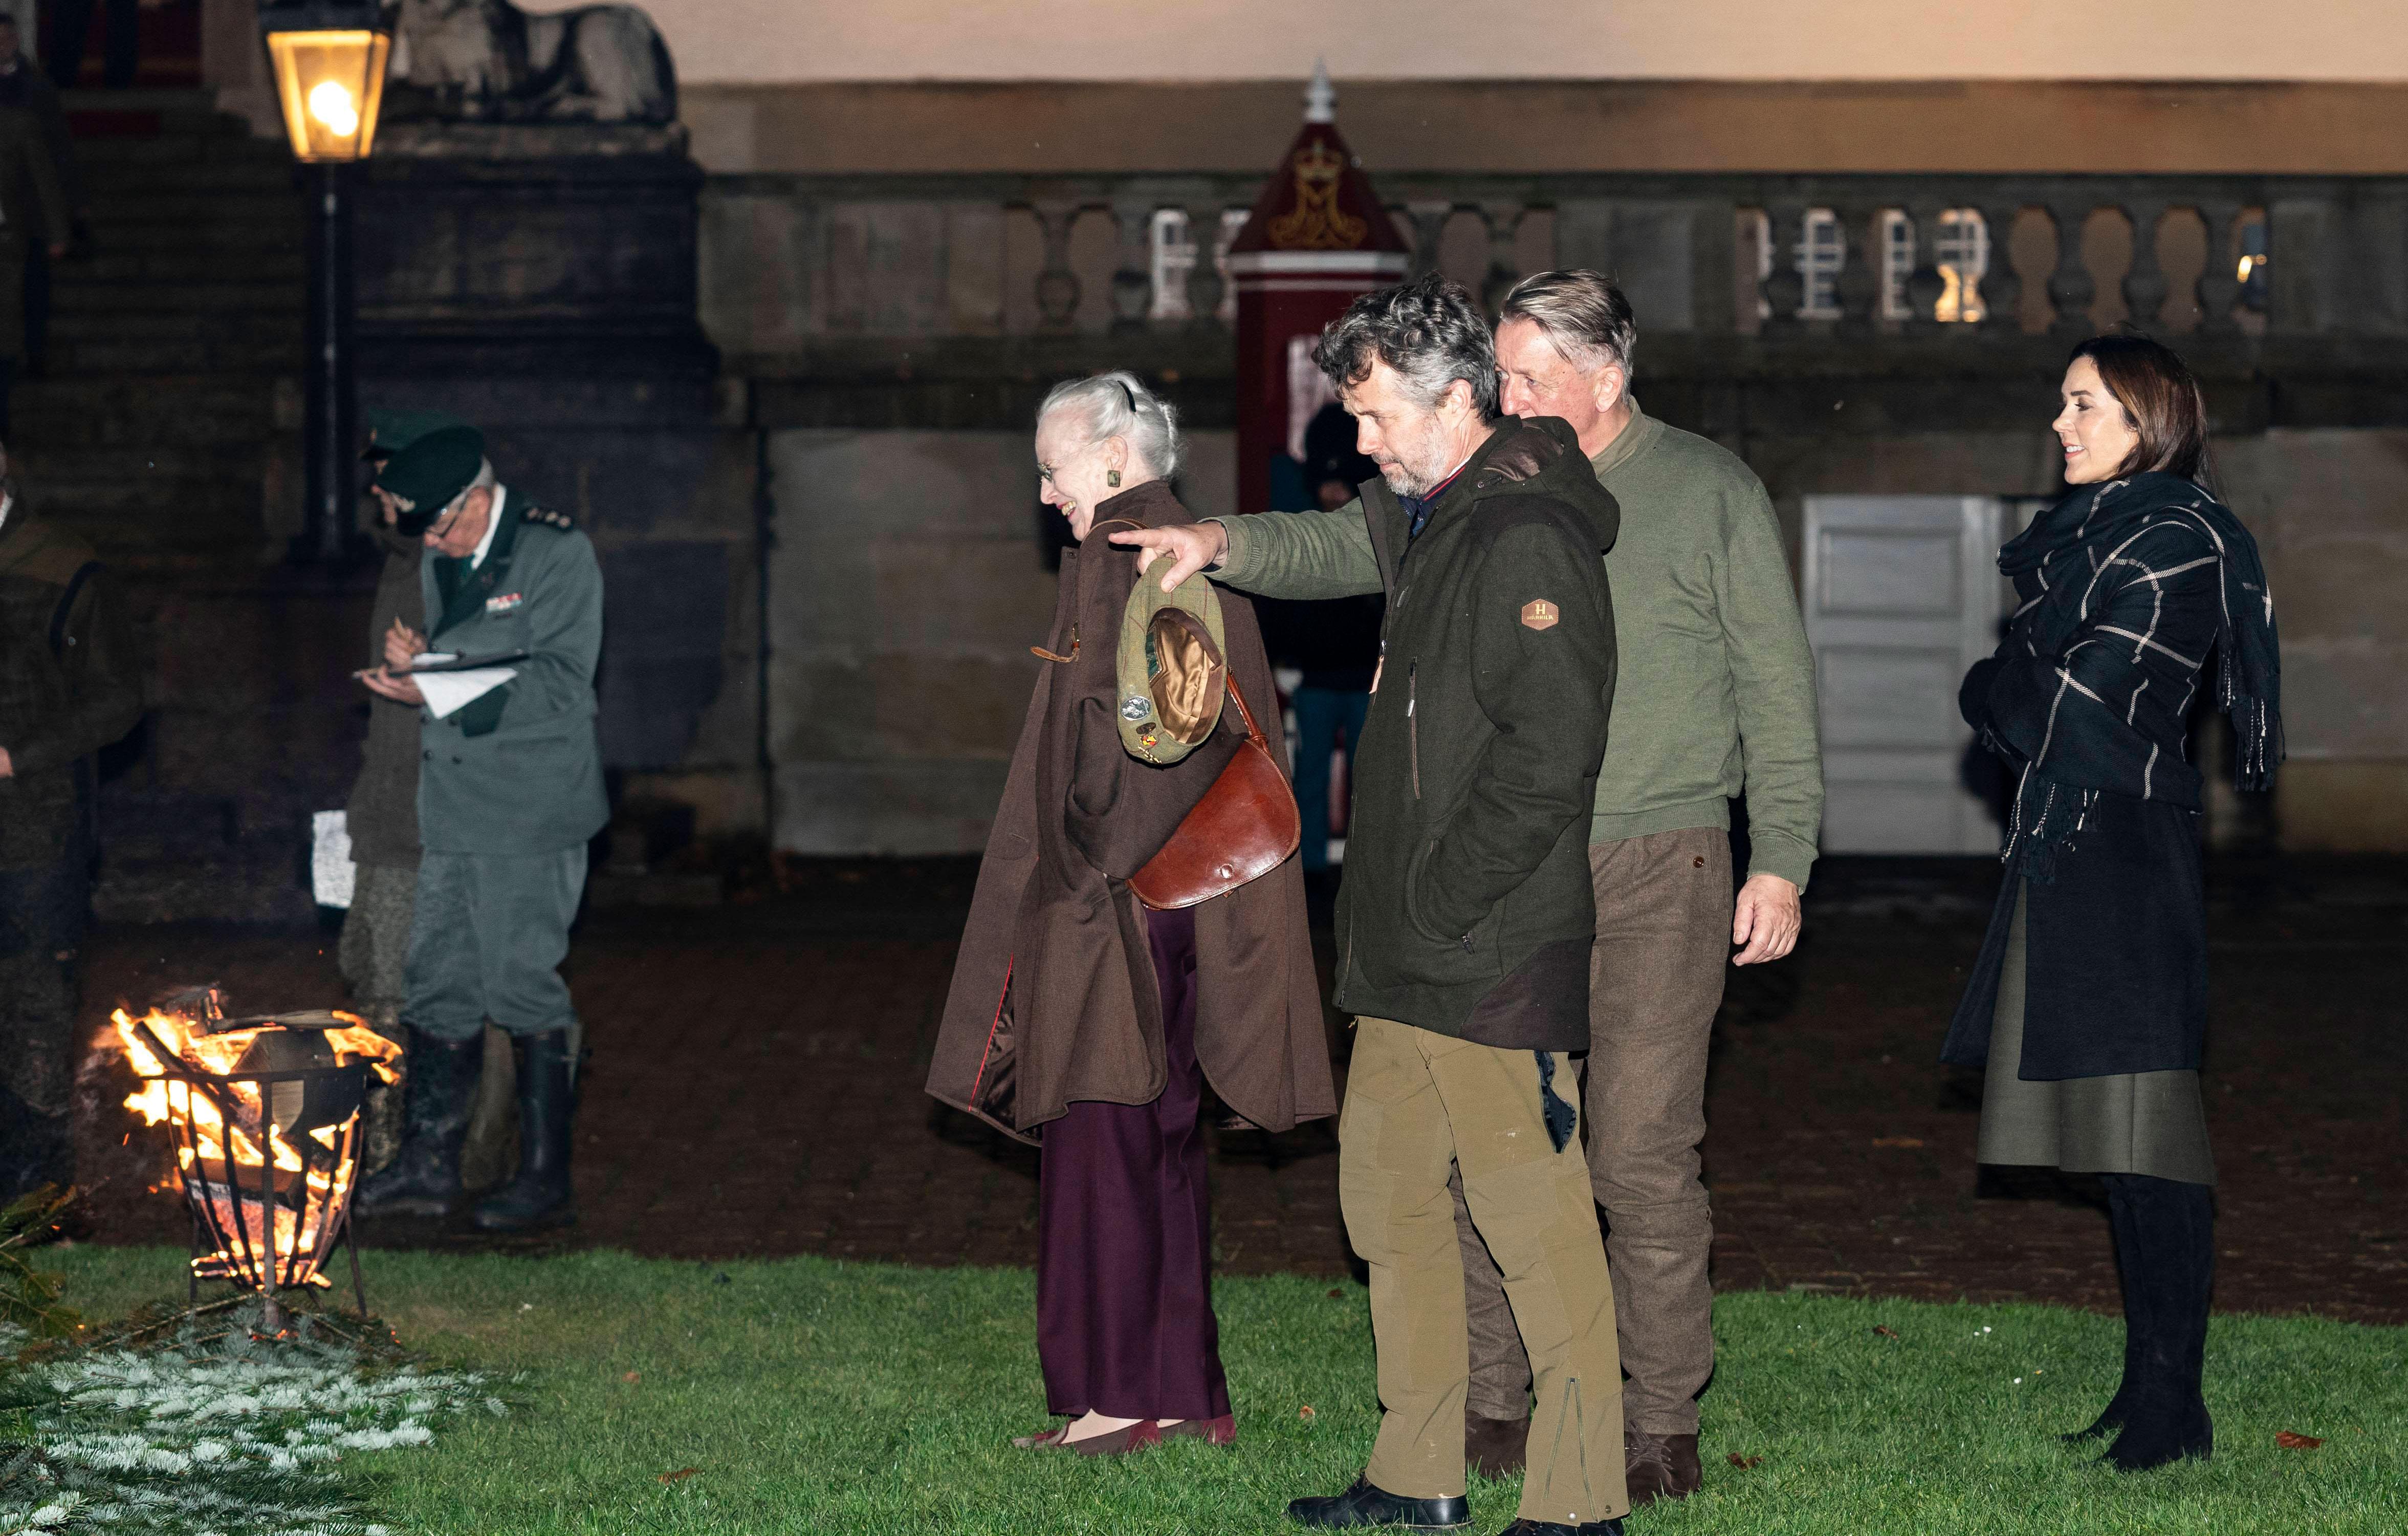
509 790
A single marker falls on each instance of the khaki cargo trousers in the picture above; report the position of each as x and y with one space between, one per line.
1420 1105
1655 982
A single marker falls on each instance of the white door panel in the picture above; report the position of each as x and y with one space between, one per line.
1902 595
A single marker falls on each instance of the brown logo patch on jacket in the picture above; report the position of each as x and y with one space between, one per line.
1539 613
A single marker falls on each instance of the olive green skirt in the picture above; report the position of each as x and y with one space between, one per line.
2149 1123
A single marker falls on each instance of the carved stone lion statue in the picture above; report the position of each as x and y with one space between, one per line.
491 61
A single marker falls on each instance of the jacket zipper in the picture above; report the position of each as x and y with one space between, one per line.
1412 724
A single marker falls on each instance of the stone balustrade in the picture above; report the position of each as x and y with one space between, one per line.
972 254
951 300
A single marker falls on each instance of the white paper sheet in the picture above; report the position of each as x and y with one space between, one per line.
332 873
447 691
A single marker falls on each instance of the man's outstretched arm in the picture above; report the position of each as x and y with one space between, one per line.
1272 554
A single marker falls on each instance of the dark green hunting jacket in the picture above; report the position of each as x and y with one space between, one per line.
1465 907
70 683
519 769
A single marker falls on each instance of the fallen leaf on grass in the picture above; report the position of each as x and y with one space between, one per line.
633 1376
1305 1411
679 1475
1898 1141
1885 1331
2291 1441
1335 1293
1743 1463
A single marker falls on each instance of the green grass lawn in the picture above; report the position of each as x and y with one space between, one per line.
811 1395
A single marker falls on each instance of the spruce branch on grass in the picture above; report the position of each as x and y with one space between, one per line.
29 1297
214 1428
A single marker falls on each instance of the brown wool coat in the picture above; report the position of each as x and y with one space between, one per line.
1053 996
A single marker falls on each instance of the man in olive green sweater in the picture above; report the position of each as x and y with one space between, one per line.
1715 698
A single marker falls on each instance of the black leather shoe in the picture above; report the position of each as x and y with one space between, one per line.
1365 1505
540 1195
439 1089
1551 1528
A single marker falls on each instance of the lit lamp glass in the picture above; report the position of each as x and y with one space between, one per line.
331 83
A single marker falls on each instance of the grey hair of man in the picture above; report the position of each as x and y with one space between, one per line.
1429 331
486 480
1582 315
1118 405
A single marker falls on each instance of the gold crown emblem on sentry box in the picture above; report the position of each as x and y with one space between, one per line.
1316 222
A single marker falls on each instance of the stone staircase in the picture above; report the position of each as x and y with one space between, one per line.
169 407
165 429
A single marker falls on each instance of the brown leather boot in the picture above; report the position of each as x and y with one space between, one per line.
1494 1447
1660 1466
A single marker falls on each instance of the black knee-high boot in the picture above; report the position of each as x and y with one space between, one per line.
540 1195
439 1089
2136 1326
2173 1227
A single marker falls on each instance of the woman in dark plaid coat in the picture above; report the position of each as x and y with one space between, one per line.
2088 1005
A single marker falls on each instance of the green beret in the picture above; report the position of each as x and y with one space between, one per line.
423 476
1172 674
391 431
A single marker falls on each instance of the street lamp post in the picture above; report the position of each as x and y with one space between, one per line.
329 58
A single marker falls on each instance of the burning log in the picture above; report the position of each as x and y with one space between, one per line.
265 1116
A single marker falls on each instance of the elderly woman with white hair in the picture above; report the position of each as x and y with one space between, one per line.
1087 1022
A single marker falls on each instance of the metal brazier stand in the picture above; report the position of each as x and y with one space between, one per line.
296 1089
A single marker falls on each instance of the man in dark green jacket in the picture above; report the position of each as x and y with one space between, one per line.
1464 918
510 789
69 685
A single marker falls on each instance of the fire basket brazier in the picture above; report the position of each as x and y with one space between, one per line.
264 1113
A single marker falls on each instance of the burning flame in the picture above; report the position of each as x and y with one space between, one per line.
230 1187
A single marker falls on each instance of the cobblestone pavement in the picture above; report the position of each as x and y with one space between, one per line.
755 1071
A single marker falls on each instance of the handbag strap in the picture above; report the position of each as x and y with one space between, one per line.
1253 732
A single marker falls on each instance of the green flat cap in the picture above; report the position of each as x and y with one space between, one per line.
424 478
1173 678
391 431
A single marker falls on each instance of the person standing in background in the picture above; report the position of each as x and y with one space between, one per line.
24 87
120 45
1333 644
70 684
32 212
382 814
1715 701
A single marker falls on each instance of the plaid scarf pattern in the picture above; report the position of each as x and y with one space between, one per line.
2128 590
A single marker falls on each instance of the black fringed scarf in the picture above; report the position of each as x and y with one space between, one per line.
2056 566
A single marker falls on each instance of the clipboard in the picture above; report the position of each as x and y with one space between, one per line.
468 664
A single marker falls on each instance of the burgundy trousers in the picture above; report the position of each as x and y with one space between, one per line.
1124 1324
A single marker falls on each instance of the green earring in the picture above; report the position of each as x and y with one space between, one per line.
1112 477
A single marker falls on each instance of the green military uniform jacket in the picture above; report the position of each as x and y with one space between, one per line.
517 771
69 680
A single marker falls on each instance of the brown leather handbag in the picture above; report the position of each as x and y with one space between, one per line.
1244 827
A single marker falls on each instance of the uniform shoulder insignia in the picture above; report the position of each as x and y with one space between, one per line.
549 518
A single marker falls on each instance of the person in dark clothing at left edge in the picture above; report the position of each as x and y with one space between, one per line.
2087 1006
69 685
33 215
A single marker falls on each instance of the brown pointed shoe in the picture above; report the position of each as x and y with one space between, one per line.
1494 1448
1660 1466
1141 1436
1211 1432
1050 1441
